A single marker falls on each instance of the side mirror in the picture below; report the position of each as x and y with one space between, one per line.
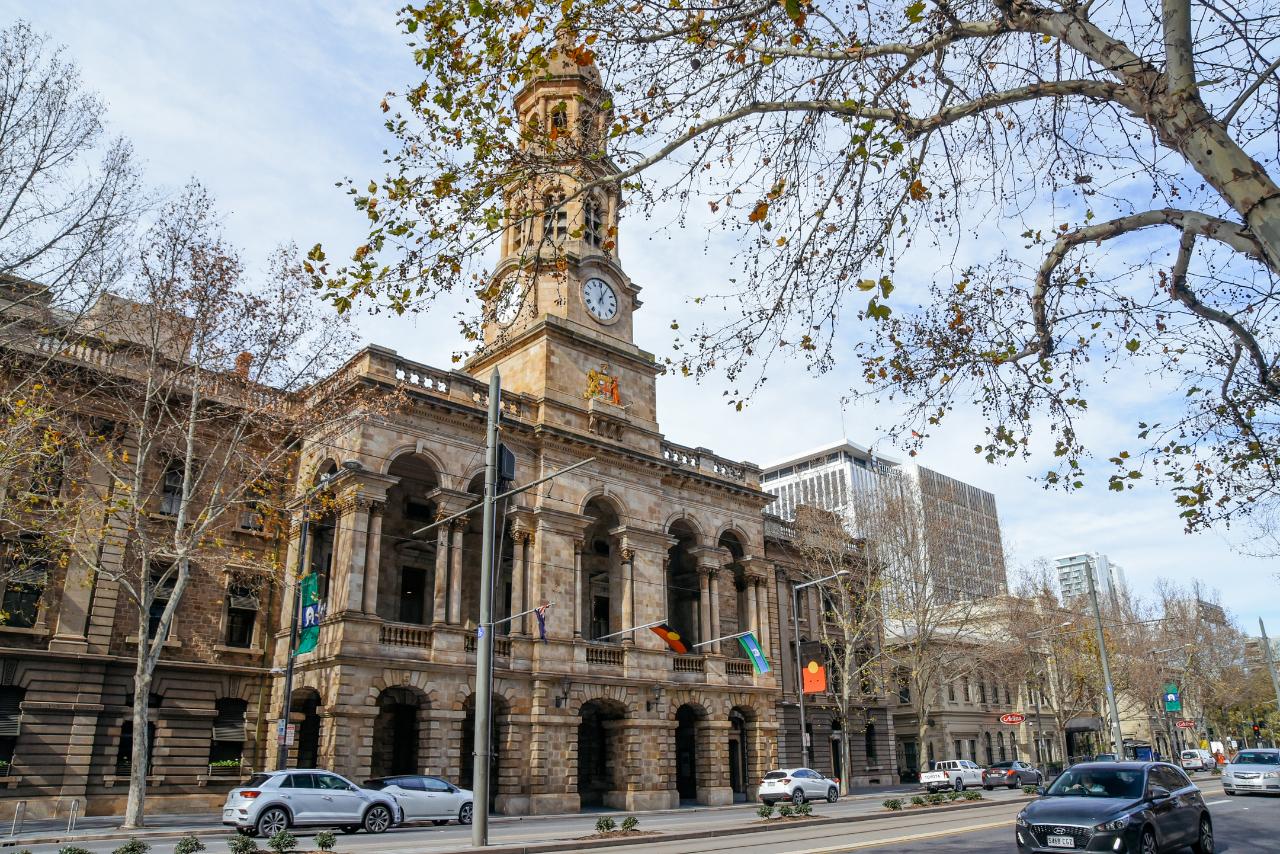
1042 790
1158 793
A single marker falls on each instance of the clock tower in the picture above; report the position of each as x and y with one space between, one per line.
558 312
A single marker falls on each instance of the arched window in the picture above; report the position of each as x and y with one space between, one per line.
594 222
555 219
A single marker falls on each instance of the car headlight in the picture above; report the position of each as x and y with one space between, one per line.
1118 824
1022 819
1272 774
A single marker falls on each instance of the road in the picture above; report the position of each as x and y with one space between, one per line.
1242 825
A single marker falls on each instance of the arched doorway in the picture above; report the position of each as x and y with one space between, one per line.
600 772
837 750
687 718
738 762
304 713
601 605
683 595
395 733
499 721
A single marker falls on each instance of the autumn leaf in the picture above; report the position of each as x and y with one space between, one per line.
915 12
917 190
760 211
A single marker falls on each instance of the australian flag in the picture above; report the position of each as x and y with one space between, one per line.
541 613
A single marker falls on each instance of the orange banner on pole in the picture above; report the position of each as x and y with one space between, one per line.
813 678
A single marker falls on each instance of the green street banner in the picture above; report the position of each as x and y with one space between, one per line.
312 610
1172 698
751 647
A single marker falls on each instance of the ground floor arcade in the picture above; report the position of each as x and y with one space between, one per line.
559 745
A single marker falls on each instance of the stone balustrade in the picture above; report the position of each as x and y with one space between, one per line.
689 664
607 655
705 461
738 667
405 634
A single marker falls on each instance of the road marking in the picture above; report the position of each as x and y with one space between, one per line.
972 828
1215 803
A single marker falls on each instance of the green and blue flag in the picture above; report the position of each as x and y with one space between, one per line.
751 647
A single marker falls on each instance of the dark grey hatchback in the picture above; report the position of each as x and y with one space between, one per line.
1127 807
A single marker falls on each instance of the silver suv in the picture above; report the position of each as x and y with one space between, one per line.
270 803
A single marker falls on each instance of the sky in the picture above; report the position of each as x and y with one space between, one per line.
270 105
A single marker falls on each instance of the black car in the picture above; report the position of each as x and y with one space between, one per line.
1135 807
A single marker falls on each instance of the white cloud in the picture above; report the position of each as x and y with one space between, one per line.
271 104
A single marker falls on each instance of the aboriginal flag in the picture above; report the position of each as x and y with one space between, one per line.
670 636
813 678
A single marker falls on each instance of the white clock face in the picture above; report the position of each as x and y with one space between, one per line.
511 300
600 298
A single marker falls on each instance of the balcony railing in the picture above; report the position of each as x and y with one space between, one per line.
405 634
451 384
738 667
705 461
501 646
609 656
689 664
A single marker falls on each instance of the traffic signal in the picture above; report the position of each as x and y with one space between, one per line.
1257 728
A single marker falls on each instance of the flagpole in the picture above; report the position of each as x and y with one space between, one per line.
521 614
723 637
632 629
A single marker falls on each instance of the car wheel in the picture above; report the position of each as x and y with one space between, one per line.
1016 783
1204 840
349 828
1149 845
797 797
245 831
989 788
377 819
271 822
464 814
959 784
833 795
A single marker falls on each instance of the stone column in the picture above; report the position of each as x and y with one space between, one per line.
713 576
762 613
704 605
577 588
815 612
440 601
373 558
520 541
628 594
753 606
455 573
350 538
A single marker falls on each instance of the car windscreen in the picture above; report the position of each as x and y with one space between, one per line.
1190 754
1098 783
774 775
376 785
255 781
1257 759
1003 765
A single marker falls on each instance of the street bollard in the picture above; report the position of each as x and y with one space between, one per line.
19 817
71 817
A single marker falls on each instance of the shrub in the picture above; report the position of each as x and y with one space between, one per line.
972 795
133 846
786 811
188 845
73 849
893 804
325 840
953 795
629 823
604 824
935 798
805 808
225 763
917 801
765 811
243 845
1216 771
1028 790
283 842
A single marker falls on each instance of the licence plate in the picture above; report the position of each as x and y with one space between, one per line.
228 813
1061 842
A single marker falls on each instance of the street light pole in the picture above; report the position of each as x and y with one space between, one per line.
795 634
1271 666
1116 733
484 647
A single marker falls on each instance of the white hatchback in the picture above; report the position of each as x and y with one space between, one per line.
798 785
425 798
1253 770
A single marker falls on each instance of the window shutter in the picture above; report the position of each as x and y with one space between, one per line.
229 724
11 711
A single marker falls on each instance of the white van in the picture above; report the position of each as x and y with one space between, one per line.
1198 760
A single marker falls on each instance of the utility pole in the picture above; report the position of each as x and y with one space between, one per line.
1271 666
484 645
1116 734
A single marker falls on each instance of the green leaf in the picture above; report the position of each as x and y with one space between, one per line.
915 12
793 9
1131 345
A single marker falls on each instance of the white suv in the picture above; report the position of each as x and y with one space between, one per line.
798 785
270 803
